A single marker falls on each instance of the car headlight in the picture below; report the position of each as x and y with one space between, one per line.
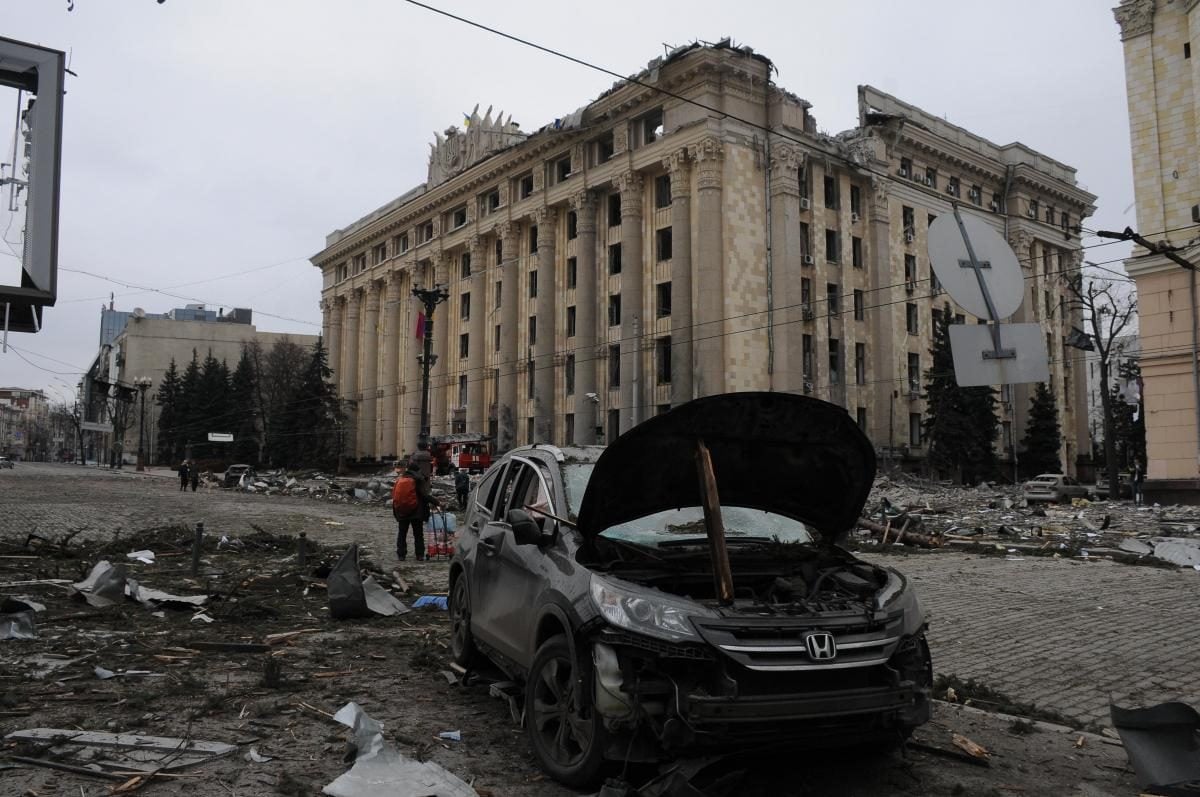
647 612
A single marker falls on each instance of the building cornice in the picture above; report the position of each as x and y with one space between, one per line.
1136 18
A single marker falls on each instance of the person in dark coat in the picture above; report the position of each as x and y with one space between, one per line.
462 488
194 475
416 520
423 459
183 476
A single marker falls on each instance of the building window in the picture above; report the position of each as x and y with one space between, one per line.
910 269
569 374
529 420
379 253
856 251
1033 208
603 148
832 199
533 235
572 273
651 126
859 307
860 417
975 194
499 252
614 210
662 191
458 217
662 300
614 424
532 330
908 218
571 321
860 363
914 373
499 293
806 293
533 284
614 310
562 169
931 177
427 232
910 318
614 259
464 306
614 366
464 265
662 359
906 167
806 361
525 185
805 241
496 345
802 178
572 225
833 299
856 200
914 429
835 365
832 255
662 244
402 241
360 264
462 390
1050 214
952 187
464 345
492 200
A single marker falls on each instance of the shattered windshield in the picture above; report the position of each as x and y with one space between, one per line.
688 522
575 479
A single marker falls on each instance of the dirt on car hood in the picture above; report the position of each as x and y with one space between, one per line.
791 455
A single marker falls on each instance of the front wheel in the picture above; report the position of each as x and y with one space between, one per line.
462 645
569 744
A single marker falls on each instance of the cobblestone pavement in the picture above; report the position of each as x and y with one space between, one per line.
1064 634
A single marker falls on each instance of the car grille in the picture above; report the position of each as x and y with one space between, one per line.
771 645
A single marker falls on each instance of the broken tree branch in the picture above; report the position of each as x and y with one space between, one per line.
900 535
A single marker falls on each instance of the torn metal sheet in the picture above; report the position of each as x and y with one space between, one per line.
1178 550
18 625
20 604
380 601
1161 742
347 598
146 556
1136 546
381 771
104 586
121 752
154 597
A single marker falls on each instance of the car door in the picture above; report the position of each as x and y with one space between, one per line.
509 577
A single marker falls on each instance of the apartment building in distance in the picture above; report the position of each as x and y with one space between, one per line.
1162 81
652 248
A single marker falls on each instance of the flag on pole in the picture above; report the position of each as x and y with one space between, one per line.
420 325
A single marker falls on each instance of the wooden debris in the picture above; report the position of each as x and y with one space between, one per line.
284 636
901 536
969 747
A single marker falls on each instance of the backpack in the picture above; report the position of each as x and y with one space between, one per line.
405 500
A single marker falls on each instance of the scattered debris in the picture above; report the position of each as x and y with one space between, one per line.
108 754
436 601
144 556
104 585
381 771
451 736
18 625
258 758
1161 744
969 747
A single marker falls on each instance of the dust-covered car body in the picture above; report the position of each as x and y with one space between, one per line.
234 473
5 462
1052 487
613 620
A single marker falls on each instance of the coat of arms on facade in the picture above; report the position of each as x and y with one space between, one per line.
457 149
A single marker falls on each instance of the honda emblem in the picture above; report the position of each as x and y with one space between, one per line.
821 646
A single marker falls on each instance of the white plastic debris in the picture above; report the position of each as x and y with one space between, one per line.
145 556
451 736
202 617
257 757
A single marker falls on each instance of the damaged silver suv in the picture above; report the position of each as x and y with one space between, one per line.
683 589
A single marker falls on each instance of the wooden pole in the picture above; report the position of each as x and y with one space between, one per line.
714 525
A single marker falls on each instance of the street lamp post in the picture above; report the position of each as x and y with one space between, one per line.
430 298
142 383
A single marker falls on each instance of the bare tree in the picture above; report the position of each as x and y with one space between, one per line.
1108 312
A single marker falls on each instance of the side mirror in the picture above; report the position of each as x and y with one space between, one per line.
526 530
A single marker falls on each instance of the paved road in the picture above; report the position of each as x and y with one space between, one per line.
1063 634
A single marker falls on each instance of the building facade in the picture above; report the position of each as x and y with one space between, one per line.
1161 80
25 429
656 247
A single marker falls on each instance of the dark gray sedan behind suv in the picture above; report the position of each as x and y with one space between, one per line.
683 589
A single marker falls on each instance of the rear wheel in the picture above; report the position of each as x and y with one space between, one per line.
568 742
462 645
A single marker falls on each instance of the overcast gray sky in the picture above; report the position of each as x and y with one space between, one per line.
210 146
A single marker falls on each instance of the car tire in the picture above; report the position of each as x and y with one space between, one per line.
569 746
462 644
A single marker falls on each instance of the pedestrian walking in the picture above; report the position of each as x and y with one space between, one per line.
194 474
423 459
462 488
183 476
412 499
1138 476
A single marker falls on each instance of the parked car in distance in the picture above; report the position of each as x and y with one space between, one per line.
234 474
586 574
1124 486
1053 487
5 462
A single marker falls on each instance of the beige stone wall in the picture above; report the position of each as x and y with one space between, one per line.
745 278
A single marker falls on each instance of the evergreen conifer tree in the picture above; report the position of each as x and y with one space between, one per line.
1042 435
167 399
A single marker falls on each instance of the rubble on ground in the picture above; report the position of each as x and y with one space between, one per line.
370 489
994 518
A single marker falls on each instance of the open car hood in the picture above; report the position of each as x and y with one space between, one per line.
790 455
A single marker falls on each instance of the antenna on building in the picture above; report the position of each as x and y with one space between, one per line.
981 273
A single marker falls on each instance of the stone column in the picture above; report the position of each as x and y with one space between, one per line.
708 157
368 428
583 345
510 296
333 343
350 372
438 383
408 419
547 323
786 268
477 330
633 322
682 363
389 389
889 420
